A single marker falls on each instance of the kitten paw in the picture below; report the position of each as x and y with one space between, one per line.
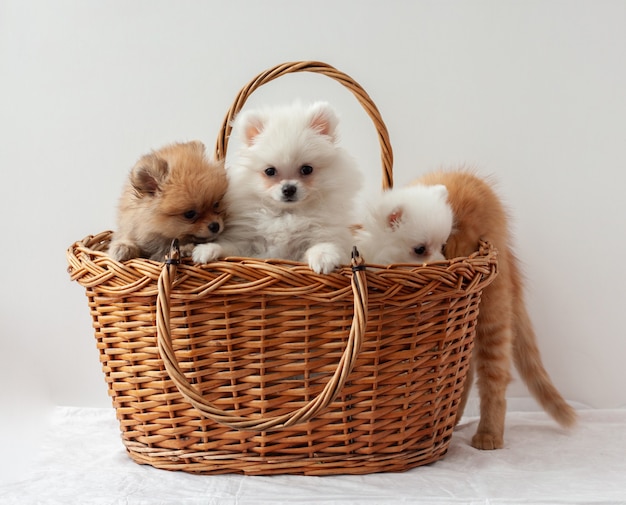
204 253
487 441
323 258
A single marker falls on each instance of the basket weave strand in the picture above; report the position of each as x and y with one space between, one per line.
265 367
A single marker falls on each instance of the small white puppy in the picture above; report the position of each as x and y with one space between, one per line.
291 189
407 225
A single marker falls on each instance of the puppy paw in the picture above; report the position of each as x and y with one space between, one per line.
323 258
186 250
122 251
204 253
487 441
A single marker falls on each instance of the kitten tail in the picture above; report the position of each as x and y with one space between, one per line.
528 361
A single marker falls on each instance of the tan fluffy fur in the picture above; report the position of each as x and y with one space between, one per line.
174 192
504 330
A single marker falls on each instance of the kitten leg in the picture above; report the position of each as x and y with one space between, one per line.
492 357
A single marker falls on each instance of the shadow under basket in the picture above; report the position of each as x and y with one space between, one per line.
265 367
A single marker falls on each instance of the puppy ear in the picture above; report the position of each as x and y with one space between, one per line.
323 119
440 190
197 145
250 124
148 174
394 218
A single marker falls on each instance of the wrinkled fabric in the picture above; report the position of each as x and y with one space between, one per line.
83 461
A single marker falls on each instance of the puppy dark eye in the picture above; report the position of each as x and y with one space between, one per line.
270 171
216 205
190 215
420 250
306 169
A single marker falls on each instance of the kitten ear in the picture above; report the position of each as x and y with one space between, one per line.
148 174
250 124
394 218
323 119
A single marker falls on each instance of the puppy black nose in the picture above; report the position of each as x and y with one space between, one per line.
214 227
289 190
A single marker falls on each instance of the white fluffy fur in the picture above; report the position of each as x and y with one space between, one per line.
265 219
407 225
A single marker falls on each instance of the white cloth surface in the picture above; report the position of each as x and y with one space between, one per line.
83 461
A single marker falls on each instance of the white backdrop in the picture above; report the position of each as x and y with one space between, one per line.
533 92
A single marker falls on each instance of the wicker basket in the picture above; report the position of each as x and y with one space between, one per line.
264 367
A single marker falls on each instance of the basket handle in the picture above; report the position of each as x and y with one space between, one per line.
319 68
304 413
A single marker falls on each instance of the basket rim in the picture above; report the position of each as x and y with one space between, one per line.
90 266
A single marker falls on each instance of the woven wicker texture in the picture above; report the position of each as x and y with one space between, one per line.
264 367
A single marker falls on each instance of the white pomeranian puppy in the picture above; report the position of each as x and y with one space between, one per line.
406 225
291 189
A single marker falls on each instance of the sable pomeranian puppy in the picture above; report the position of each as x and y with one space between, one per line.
291 189
174 192
406 225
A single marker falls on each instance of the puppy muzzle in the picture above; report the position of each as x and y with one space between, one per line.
289 193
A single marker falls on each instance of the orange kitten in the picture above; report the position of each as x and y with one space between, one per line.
504 331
